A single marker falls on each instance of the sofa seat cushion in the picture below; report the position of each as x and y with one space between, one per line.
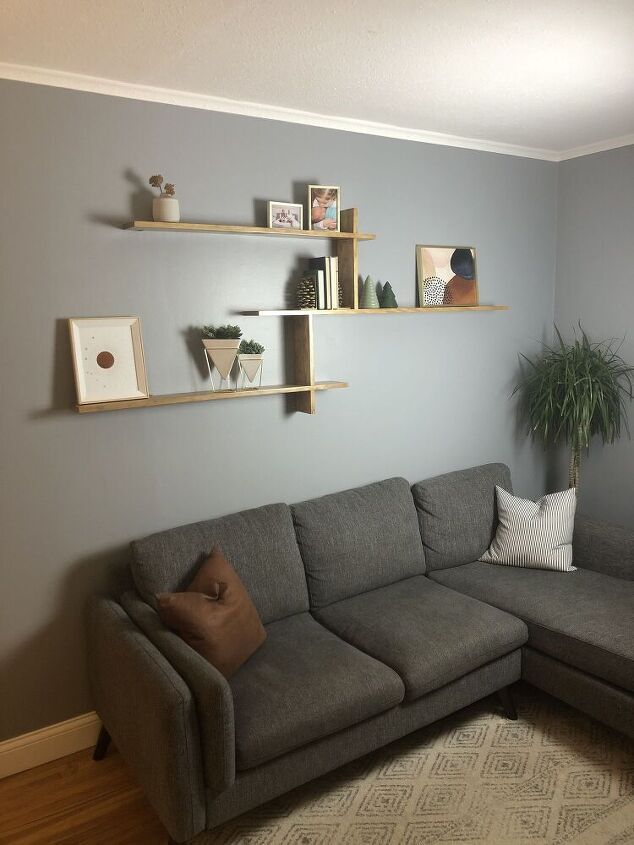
304 683
582 618
426 633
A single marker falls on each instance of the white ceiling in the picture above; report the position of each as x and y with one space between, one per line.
546 76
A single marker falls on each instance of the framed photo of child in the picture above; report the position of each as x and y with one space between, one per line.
324 207
285 215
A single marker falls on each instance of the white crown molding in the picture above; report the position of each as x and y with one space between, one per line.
598 147
42 746
114 88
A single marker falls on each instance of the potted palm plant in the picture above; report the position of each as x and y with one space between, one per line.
250 361
221 348
574 391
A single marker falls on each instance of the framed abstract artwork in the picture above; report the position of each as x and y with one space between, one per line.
108 359
447 276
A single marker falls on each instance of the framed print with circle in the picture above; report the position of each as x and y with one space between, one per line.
108 359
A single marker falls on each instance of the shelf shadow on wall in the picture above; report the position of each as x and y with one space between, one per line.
140 204
63 395
193 340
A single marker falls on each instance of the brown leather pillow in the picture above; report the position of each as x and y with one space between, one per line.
215 616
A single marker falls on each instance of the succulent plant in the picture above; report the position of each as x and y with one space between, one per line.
250 347
227 332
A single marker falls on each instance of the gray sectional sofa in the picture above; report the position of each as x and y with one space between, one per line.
380 620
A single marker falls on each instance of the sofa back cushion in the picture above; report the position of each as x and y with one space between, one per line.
358 540
260 544
457 513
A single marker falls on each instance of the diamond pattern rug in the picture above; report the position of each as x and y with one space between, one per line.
554 776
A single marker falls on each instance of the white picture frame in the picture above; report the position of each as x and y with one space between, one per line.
285 215
108 359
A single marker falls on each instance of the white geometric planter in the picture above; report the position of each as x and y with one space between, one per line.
251 368
222 354
165 210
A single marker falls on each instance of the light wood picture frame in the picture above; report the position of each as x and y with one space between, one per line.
108 359
447 276
324 203
285 215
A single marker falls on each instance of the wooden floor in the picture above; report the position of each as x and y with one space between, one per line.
75 800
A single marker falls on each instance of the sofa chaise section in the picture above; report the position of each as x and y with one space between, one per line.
580 624
582 618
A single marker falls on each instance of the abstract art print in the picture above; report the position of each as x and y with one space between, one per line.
108 359
446 276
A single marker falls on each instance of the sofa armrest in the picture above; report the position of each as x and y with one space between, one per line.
603 547
150 713
212 694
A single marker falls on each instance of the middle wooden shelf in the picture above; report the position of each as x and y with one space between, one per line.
351 312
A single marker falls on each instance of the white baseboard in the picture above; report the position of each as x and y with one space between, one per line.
33 749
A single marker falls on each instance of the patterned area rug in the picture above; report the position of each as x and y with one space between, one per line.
554 776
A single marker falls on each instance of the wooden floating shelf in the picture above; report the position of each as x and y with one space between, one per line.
206 396
225 229
351 312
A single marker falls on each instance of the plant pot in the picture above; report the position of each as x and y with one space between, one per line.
222 354
250 367
165 210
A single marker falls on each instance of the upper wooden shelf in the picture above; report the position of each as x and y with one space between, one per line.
350 312
225 229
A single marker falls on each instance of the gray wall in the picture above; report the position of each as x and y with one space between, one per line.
595 284
427 393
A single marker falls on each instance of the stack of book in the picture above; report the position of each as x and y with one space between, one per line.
324 273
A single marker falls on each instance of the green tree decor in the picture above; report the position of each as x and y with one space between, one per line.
573 391
387 298
369 299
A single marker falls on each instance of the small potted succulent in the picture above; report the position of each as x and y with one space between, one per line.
221 348
250 361
164 207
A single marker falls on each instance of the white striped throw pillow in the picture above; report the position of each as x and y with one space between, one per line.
535 535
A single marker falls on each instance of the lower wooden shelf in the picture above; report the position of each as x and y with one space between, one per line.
206 396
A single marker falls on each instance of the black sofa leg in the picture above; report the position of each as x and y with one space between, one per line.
508 705
101 748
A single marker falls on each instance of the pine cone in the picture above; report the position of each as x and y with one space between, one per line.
306 293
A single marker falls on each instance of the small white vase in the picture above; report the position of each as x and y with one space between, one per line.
165 210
